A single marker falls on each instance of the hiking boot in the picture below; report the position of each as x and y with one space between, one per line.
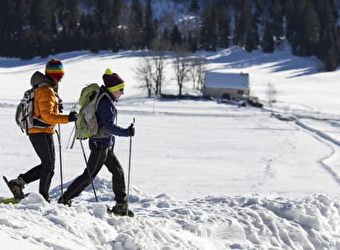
120 209
17 186
61 200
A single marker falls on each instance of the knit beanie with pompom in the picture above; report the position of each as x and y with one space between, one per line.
112 81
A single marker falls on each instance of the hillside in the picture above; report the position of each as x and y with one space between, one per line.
205 175
42 29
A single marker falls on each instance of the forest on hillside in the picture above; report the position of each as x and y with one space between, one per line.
30 28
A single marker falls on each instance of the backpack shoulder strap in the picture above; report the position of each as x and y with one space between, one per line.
101 94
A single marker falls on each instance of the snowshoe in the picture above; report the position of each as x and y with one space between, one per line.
16 186
120 210
12 200
64 202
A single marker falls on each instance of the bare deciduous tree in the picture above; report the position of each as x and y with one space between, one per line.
150 70
197 72
181 66
144 74
159 61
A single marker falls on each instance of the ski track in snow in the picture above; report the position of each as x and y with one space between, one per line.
309 114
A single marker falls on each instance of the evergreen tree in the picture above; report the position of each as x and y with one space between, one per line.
246 30
327 18
331 59
102 14
223 28
289 13
209 29
27 43
86 29
166 35
116 11
330 46
238 29
194 6
267 43
277 17
327 14
116 35
41 17
239 5
311 29
150 33
243 28
69 16
192 42
94 43
337 44
9 28
298 40
176 37
135 26
42 27
250 43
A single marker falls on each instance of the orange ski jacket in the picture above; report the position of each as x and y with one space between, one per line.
46 108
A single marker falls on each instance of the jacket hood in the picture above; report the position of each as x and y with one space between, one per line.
38 78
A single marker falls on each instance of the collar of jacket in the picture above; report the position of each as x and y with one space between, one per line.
104 89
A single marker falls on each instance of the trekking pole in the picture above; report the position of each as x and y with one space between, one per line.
60 163
73 131
129 171
73 138
87 164
88 171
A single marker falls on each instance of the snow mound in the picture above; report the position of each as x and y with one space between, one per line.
161 222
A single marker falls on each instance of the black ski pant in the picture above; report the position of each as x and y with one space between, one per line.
101 154
44 147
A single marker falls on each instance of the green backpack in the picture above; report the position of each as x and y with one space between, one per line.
87 124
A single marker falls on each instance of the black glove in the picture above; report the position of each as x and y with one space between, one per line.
72 117
132 130
61 107
60 103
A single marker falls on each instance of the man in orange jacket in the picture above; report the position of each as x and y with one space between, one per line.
47 108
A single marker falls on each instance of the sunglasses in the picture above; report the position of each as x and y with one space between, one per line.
122 91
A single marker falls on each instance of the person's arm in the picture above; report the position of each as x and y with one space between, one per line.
48 108
107 116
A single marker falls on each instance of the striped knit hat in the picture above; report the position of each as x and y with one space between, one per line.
54 68
112 81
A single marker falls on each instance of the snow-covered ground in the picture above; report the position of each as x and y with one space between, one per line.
204 174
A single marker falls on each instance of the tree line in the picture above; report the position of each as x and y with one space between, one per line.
30 28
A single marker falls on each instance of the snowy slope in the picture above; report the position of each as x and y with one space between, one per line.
205 175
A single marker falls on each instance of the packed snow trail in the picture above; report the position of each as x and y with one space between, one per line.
214 222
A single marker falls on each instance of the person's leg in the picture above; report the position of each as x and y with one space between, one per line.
118 185
95 162
118 182
44 147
